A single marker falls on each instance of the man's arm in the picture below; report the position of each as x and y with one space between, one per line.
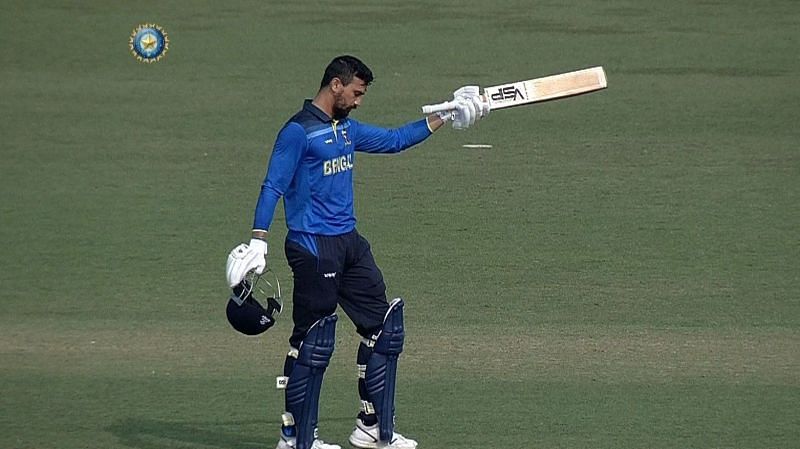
286 155
375 139
468 107
434 122
289 148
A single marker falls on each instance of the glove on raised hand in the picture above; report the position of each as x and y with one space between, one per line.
468 107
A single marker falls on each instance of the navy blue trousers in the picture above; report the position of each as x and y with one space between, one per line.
343 273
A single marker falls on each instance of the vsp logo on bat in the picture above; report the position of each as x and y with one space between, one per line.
510 92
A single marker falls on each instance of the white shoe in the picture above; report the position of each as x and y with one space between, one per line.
291 443
368 437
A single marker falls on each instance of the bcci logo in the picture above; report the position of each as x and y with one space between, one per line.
148 43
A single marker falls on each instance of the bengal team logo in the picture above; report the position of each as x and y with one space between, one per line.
148 43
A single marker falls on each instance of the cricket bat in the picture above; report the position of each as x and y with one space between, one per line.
536 90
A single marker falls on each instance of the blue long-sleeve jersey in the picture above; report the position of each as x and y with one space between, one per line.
311 167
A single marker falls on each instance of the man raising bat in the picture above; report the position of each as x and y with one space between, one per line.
311 168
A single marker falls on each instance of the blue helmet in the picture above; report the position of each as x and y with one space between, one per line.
245 312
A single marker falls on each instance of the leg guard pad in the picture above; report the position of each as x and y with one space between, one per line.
305 380
381 371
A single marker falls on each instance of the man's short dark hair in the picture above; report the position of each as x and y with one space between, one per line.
346 67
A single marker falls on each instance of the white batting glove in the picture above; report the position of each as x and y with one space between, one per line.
465 113
244 259
482 106
468 107
466 91
473 93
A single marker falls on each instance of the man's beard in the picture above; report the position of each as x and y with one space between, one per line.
340 111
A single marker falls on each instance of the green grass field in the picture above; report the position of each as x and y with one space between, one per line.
620 270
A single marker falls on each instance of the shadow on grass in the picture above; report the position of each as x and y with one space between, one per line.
143 433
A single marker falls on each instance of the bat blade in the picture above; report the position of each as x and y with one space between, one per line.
547 88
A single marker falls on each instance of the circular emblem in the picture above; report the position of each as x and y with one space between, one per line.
149 43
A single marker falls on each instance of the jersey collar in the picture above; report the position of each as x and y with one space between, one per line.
316 112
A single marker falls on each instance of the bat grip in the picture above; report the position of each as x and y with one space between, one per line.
441 107
445 106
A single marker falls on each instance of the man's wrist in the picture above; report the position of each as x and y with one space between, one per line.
260 234
434 122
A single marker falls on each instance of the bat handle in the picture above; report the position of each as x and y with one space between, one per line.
446 106
441 107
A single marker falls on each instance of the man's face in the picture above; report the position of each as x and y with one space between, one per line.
347 97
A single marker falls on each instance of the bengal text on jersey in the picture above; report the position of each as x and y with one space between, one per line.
338 165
